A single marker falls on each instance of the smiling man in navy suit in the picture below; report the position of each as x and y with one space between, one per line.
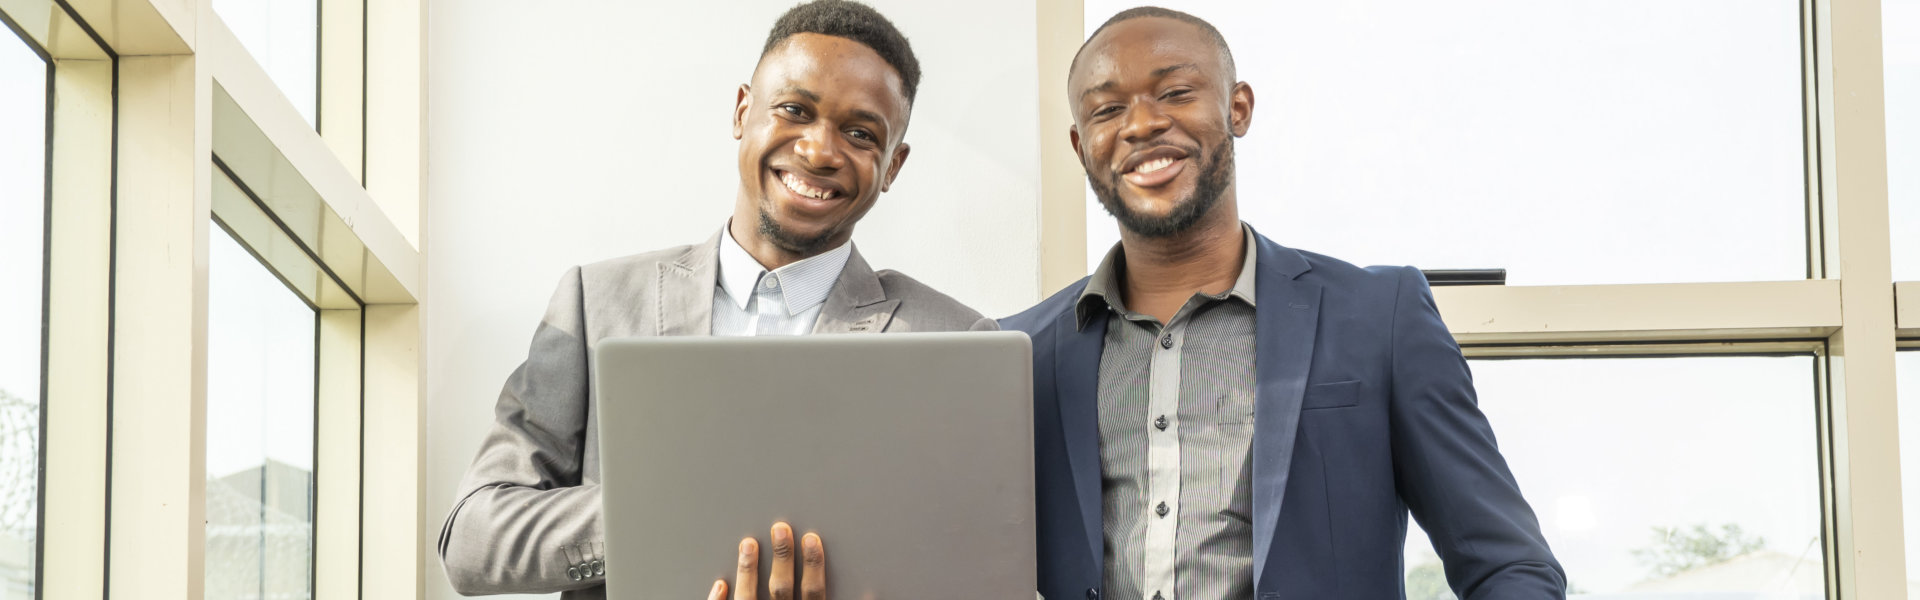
1218 416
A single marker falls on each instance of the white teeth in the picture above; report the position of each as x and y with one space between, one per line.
1153 165
801 187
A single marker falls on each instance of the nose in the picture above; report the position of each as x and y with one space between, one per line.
820 147
1144 121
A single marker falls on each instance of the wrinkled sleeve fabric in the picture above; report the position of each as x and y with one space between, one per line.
524 516
1448 467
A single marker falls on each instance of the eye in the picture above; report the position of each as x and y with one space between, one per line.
862 135
1106 110
792 110
1175 93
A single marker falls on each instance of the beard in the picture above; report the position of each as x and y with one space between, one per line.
788 240
1215 175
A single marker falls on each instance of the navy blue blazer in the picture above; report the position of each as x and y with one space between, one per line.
1365 410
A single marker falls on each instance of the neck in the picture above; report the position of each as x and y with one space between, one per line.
745 230
1163 272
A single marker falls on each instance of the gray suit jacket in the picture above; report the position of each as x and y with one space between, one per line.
528 515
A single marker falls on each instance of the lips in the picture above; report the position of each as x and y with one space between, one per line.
1155 166
809 187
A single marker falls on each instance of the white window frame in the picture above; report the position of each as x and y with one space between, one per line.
142 115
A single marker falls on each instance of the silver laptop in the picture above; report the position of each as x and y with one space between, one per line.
910 454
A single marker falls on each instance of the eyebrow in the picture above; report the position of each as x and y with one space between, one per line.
870 116
1157 73
803 92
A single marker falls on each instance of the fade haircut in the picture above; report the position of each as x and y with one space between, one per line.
853 21
1220 41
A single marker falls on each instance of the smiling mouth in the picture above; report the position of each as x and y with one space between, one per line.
801 188
1153 166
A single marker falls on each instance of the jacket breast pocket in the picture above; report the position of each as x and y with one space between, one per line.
1339 394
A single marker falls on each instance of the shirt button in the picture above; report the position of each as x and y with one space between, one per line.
1161 509
771 283
1166 341
1160 423
1157 596
1093 593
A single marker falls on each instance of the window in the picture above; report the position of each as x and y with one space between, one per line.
284 37
1660 477
1569 143
1899 20
260 430
23 129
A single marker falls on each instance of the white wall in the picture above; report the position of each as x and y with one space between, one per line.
565 134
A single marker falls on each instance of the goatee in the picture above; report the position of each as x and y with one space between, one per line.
1215 175
789 241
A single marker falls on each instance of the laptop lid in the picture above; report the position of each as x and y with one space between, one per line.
910 454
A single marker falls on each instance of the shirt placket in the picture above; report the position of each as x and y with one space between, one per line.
1163 460
771 308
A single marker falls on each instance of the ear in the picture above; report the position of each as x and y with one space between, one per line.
740 104
1073 134
1240 108
893 169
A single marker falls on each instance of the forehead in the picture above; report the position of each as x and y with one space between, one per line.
835 68
1136 47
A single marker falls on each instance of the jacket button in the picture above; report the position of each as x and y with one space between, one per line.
574 572
1093 593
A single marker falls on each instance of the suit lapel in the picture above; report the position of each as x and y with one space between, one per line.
857 303
1288 315
684 291
1076 372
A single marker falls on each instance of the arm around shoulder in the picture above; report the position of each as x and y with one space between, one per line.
524 522
1448 468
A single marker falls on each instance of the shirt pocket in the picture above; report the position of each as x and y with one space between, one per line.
1232 444
1339 394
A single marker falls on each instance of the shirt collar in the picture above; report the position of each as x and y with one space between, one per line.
803 284
1103 287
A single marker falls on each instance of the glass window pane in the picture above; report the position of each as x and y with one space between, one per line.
284 36
1568 142
1899 20
1670 478
23 145
260 411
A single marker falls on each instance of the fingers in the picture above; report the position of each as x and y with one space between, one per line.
719 590
746 574
780 581
813 576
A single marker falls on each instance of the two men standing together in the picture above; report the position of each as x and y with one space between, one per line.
1216 415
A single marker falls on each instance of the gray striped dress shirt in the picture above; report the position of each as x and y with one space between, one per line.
1176 405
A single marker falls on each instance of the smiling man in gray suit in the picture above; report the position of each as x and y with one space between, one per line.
820 130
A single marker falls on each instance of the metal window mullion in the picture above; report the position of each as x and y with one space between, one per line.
1869 546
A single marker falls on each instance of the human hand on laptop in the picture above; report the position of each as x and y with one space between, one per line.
780 583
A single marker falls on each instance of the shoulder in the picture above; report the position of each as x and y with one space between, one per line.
645 263
1048 311
926 308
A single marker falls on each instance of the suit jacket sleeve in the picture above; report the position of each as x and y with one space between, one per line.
1448 468
524 513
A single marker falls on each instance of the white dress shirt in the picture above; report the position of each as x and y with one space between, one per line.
751 301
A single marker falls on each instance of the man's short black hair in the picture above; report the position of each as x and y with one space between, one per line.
1226 54
853 21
